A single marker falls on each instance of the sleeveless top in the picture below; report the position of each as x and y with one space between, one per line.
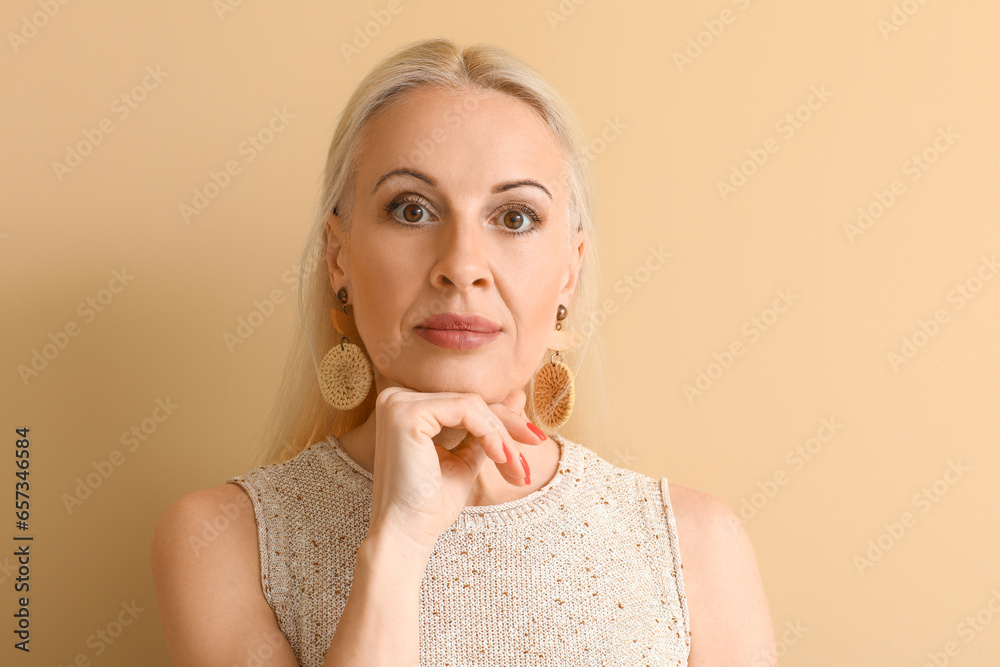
585 570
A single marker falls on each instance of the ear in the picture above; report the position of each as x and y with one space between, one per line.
573 270
337 259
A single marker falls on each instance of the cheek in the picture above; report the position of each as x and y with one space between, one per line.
534 301
383 283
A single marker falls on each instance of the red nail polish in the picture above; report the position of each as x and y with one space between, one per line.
527 471
506 452
537 431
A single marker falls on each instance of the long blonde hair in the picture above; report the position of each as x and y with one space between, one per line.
300 416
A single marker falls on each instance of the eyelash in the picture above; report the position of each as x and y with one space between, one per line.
391 207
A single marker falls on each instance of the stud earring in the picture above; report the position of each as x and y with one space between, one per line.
552 389
345 372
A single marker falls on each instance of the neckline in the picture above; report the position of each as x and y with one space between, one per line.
534 505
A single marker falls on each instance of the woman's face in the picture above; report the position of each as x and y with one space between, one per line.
460 206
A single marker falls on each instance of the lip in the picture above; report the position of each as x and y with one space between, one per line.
456 322
458 332
456 339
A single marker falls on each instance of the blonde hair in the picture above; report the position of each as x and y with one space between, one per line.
300 416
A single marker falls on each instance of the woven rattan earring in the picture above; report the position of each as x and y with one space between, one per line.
345 372
552 390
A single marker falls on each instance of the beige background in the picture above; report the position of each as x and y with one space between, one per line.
682 127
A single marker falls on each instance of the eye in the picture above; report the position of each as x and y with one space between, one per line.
412 212
514 220
518 219
410 209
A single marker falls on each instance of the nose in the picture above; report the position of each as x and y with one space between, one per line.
464 254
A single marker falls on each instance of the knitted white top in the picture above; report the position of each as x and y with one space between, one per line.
585 570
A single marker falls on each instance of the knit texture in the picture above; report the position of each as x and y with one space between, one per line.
583 571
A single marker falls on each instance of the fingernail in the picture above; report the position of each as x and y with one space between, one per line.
506 452
537 431
527 472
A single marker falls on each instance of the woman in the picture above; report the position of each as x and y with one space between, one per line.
432 521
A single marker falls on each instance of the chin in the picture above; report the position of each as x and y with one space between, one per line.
460 380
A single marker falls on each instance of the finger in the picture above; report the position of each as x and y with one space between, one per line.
407 394
510 413
471 453
470 412
516 423
516 400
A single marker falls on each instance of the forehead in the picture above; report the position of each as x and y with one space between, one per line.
463 139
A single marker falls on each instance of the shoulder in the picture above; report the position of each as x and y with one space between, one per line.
206 571
205 537
704 521
207 520
715 548
727 605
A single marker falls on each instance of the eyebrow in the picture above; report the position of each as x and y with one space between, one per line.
500 187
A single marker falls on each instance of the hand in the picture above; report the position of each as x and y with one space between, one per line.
420 487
